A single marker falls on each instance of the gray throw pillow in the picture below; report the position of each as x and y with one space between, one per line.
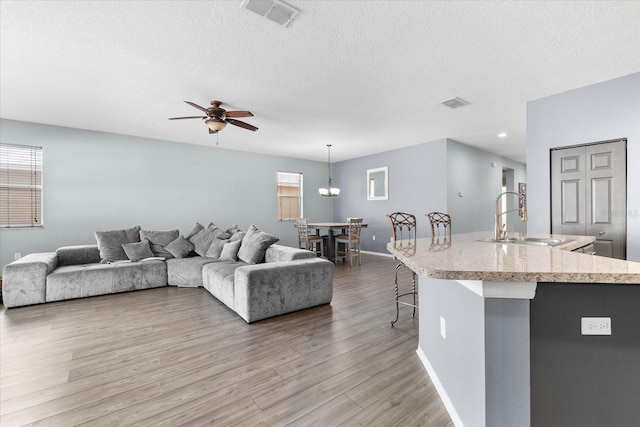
137 251
110 243
255 244
197 227
234 229
158 240
230 251
180 247
237 236
202 240
215 250
224 235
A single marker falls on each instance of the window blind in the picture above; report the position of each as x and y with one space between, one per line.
20 186
289 195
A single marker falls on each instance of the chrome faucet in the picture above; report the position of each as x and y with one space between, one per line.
501 232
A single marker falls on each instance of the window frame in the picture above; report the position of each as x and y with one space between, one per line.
280 197
30 158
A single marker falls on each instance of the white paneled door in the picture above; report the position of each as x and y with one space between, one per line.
588 194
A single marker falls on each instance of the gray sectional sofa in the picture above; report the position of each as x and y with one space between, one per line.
288 280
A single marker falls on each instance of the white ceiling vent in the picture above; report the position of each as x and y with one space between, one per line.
272 9
455 102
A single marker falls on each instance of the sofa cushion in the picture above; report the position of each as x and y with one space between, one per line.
218 279
230 251
234 229
202 240
215 250
79 281
137 251
254 245
110 243
180 247
195 229
238 235
80 254
186 272
158 240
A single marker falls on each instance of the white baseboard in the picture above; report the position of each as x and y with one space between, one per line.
455 418
377 253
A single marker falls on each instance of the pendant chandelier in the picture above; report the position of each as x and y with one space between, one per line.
329 191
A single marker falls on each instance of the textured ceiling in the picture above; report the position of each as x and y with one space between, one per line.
365 76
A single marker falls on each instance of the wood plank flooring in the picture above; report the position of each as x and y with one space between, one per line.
176 356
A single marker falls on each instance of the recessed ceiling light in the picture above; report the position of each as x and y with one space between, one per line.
502 135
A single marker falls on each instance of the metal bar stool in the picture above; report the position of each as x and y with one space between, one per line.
440 221
404 223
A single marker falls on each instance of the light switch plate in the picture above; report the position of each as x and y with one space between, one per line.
596 326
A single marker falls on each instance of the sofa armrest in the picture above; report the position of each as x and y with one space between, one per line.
276 253
24 281
77 255
271 289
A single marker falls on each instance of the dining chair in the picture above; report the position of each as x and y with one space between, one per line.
350 241
404 228
440 221
308 240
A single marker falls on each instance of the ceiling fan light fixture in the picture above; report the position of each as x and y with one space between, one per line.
329 191
215 124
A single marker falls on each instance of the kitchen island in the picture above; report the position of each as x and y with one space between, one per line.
500 330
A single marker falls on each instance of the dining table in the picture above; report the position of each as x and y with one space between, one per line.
331 227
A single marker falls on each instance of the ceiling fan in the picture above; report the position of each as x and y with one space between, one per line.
217 117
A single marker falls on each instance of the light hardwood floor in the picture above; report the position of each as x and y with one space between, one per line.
177 356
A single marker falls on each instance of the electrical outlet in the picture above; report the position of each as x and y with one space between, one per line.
443 329
374 237
17 256
596 326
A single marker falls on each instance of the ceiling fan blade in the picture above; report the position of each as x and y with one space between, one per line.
239 114
190 117
242 124
197 106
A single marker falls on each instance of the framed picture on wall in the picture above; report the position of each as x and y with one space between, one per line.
522 202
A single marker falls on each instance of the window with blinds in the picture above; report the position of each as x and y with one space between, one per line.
20 186
289 196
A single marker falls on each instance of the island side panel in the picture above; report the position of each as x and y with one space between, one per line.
456 362
507 353
585 380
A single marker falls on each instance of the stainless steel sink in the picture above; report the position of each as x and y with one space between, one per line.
539 241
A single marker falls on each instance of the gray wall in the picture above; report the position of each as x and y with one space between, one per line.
600 112
585 380
99 181
425 178
470 171
458 360
483 363
415 186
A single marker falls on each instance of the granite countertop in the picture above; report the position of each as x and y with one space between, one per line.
467 257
